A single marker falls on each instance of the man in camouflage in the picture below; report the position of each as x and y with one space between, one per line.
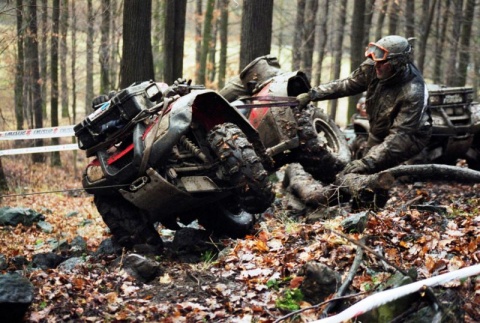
396 103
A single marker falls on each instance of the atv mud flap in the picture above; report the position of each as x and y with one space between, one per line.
159 196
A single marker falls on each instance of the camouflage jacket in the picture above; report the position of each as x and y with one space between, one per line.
400 122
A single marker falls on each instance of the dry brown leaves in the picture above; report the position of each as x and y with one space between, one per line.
236 287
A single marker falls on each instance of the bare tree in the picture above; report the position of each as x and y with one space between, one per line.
393 18
256 30
464 55
358 46
338 53
222 69
158 22
200 77
104 57
63 57
409 18
55 156
137 58
426 24
43 48
322 40
451 72
175 12
298 36
382 12
89 63
19 72
440 38
309 36
32 74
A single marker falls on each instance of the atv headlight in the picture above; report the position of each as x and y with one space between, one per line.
435 99
449 111
458 111
438 121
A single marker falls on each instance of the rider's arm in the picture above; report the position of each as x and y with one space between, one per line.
357 82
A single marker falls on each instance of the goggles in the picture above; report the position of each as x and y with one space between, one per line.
376 52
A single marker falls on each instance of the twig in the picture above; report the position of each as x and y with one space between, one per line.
376 254
351 274
316 306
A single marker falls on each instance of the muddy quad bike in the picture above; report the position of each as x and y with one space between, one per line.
266 95
169 158
455 128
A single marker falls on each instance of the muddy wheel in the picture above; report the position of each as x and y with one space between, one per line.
127 223
226 218
330 135
324 150
241 167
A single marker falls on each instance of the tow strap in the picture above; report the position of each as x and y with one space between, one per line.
271 101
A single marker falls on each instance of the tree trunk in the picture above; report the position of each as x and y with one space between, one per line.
309 36
370 8
74 62
393 18
338 50
33 74
212 48
322 41
298 35
222 67
89 64
73 74
357 50
44 30
174 39
3 179
381 19
427 14
452 76
409 18
256 30
157 37
206 39
440 42
63 58
464 56
137 58
104 57
19 72
55 156
198 33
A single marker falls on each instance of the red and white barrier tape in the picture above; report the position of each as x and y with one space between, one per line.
39 133
42 149
54 132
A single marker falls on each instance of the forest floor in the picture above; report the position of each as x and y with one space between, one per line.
242 280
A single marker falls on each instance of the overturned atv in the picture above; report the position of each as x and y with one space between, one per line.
173 155
266 96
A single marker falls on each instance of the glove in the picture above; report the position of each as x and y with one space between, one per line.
303 99
358 166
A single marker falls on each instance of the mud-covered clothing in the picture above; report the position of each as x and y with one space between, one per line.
400 122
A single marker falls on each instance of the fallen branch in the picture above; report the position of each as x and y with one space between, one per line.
378 299
436 172
351 274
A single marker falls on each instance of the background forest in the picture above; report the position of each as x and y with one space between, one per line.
56 55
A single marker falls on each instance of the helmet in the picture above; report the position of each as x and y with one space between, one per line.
389 47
